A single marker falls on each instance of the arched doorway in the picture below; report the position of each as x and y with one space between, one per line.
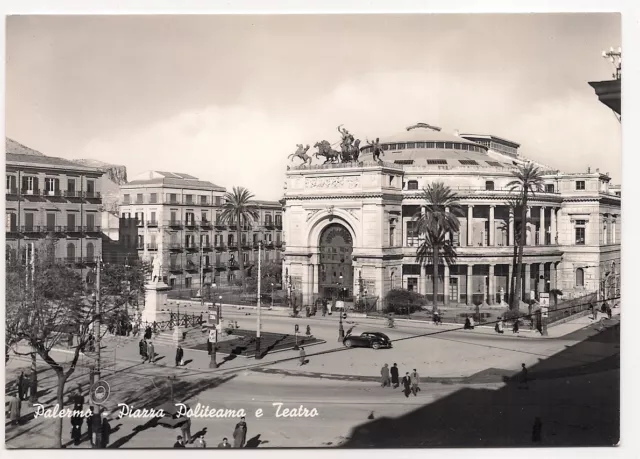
335 279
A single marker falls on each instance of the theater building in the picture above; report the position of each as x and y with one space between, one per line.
349 226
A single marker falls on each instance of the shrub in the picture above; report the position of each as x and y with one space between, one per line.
401 301
511 315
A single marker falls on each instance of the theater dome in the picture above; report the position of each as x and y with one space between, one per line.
425 144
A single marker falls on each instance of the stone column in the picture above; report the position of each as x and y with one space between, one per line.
529 232
492 226
492 285
469 286
554 225
446 284
423 279
543 229
527 281
315 274
508 292
511 236
470 225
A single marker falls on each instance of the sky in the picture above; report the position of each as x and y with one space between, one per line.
227 98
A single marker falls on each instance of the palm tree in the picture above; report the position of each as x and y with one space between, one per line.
514 204
435 223
239 208
528 179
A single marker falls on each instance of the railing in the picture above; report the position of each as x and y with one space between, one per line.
571 307
191 266
190 224
32 229
152 223
191 247
140 246
175 246
346 165
220 224
233 245
91 229
175 267
205 224
92 194
152 246
54 193
174 223
233 225
269 224
12 191
221 246
247 244
25 192
206 246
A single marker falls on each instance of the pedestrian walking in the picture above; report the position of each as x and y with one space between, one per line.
21 386
26 386
308 333
147 332
594 311
90 426
406 382
13 409
151 352
524 377
385 375
536 435
77 400
394 376
415 382
224 443
186 430
467 324
179 356
516 326
143 349
302 356
472 323
179 442
96 429
436 318
240 434
499 328
609 313
106 430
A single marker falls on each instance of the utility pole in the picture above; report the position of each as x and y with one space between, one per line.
201 275
31 259
259 282
98 269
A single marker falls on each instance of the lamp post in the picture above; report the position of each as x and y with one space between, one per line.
341 327
271 295
257 356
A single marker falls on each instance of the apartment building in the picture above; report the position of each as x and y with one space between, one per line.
51 198
179 220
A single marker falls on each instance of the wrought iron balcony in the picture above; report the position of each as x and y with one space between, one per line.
206 246
91 229
191 247
220 246
233 245
152 223
191 266
174 224
269 224
152 246
31 229
73 194
175 246
25 192
220 224
92 194
13 191
205 224
191 224
175 267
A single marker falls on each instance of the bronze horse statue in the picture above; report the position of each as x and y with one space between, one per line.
352 152
301 153
324 149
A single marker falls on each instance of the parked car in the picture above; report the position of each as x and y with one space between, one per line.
376 340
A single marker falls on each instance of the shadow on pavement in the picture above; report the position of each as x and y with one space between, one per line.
569 402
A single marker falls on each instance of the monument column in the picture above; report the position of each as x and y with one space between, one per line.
492 226
469 286
470 225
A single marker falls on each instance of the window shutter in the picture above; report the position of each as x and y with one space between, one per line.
36 187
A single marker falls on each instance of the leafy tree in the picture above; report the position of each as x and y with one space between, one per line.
434 224
528 179
240 209
400 301
57 303
271 274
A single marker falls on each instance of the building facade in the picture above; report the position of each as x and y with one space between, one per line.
49 198
350 231
178 220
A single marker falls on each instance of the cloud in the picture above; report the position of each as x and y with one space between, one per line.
248 144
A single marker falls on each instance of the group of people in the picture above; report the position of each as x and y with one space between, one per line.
239 437
410 381
98 426
147 351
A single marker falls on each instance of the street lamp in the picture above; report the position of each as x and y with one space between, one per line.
341 327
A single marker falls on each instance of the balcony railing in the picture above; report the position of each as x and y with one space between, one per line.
233 245
206 246
175 246
233 225
279 244
53 193
220 224
190 224
140 246
269 244
191 247
92 194
175 267
247 244
73 194
91 229
152 246
152 223
174 224
25 192
31 229
269 224
205 224
192 266
279 225
12 191
221 265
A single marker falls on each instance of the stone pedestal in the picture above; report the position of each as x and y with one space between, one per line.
155 296
177 335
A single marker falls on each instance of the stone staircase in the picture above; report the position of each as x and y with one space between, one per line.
194 336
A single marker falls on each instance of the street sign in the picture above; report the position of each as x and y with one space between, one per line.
545 311
213 335
544 299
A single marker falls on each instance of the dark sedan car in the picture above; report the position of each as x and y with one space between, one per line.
375 340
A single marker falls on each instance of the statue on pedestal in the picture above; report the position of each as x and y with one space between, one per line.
324 149
156 274
301 153
377 149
